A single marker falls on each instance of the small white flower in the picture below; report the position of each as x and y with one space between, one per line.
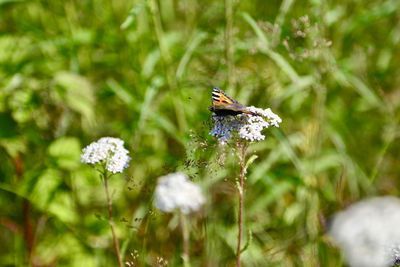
246 126
175 191
367 232
107 150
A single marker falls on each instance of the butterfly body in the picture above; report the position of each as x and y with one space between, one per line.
223 105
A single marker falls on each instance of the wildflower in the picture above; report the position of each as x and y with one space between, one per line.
395 257
109 151
245 126
175 191
367 230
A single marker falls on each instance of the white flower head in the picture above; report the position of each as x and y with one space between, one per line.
109 151
175 191
247 127
368 232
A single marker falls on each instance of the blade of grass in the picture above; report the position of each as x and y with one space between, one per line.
266 49
168 65
229 49
130 19
280 18
364 91
289 151
120 91
193 44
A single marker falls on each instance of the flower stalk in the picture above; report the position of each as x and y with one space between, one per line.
176 193
111 218
108 153
185 237
243 129
242 147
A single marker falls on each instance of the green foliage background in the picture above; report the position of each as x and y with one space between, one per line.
74 71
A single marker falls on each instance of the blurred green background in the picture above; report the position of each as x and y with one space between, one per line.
74 71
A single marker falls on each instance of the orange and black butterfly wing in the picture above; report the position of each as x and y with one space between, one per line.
224 105
219 97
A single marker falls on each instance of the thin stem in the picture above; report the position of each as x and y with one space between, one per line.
144 241
391 137
109 202
243 149
229 43
280 18
185 236
28 233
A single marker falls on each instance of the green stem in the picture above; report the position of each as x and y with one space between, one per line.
382 152
243 149
229 43
167 60
109 202
144 242
280 18
185 236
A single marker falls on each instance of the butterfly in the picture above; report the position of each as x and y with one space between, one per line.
223 105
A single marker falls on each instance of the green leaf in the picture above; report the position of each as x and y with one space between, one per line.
292 212
13 146
8 127
62 206
150 62
248 242
266 48
251 160
45 188
365 92
77 92
132 15
193 44
66 151
3 2
120 91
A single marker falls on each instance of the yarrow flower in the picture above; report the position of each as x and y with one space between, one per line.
246 126
395 256
368 232
109 151
175 191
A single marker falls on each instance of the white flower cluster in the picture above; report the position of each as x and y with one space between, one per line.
367 232
247 127
395 256
109 151
175 191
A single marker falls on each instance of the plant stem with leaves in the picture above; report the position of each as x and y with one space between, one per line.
109 203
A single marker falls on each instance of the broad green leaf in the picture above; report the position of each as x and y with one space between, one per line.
62 206
66 151
78 94
45 188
